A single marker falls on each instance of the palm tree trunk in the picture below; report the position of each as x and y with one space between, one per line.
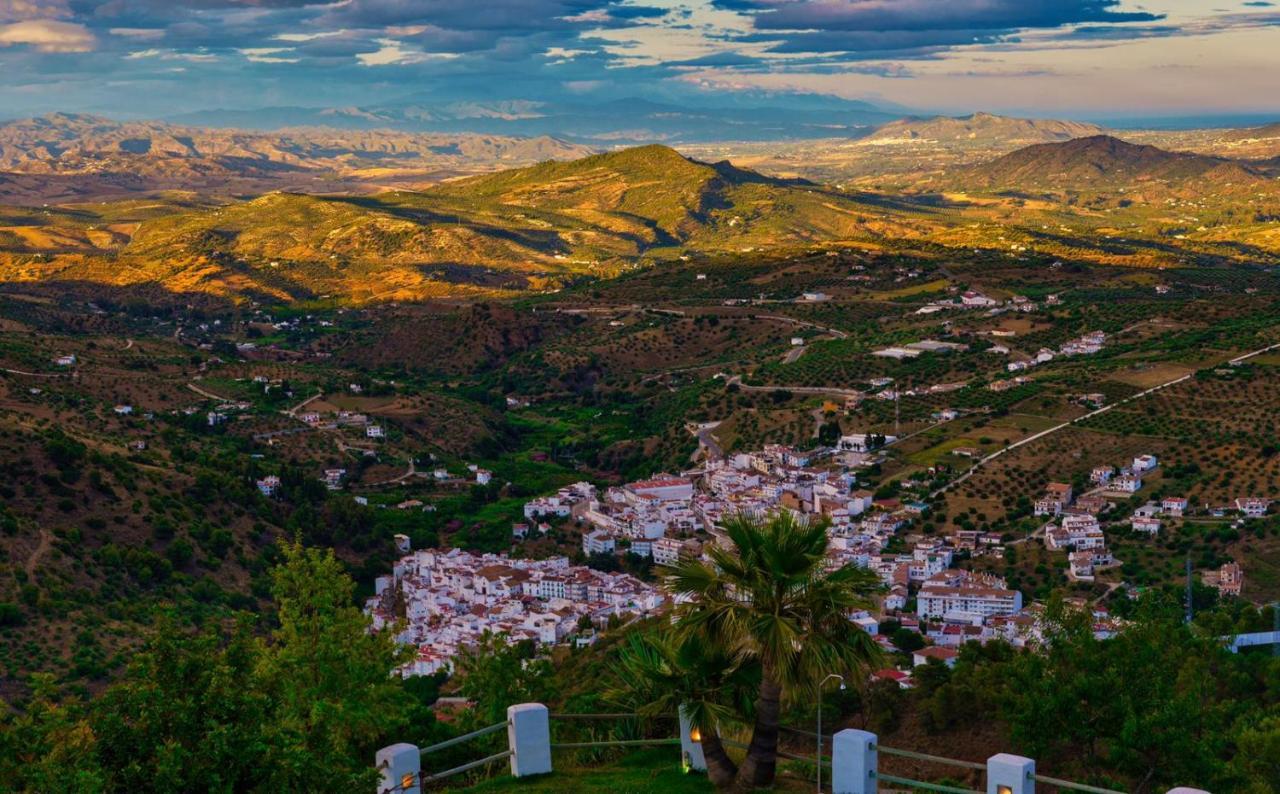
721 770
761 764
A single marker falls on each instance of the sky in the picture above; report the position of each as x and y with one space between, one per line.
1078 58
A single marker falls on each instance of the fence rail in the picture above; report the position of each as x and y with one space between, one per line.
933 759
614 743
467 767
853 761
466 737
920 784
1053 781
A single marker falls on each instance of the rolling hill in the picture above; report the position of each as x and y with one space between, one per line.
531 228
1101 163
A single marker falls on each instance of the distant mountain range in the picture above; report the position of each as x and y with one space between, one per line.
620 121
65 157
982 129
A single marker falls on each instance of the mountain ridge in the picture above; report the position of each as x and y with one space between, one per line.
1103 162
980 127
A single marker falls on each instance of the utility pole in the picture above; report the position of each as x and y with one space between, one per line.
1189 609
897 413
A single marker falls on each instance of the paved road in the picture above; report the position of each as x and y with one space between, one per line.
708 442
793 355
304 403
836 332
37 374
208 394
737 380
1037 436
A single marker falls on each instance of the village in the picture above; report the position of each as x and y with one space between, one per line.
440 601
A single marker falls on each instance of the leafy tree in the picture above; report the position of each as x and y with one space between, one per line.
48 746
770 601
183 718
327 676
496 674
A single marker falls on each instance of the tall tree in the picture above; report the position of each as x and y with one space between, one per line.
767 598
328 677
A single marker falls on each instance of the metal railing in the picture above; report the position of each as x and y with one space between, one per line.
436 777
1067 784
820 759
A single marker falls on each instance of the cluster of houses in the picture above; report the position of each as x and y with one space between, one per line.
452 598
1088 344
972 299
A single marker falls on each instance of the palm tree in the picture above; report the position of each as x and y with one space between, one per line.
767 600
660 674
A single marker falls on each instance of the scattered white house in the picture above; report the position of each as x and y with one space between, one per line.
268 485
1144 463
1173 505
1147 524
1127 483
972 298
65 361
1253 506
483 476
947 656
374 431
124 410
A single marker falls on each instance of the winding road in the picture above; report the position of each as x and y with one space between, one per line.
1037 436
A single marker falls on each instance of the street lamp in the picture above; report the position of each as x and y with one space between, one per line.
819 757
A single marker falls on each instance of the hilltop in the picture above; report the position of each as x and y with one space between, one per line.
984 129
1102 162
531 228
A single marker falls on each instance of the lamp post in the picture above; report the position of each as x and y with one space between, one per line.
818 759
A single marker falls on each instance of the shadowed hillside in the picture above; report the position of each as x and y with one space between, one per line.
1102 162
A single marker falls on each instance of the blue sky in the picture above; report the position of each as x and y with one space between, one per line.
1070 57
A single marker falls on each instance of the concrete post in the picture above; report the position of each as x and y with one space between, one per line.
1010 774
691 746
401 768
854 762
529 737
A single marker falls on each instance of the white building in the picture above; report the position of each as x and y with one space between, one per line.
598 542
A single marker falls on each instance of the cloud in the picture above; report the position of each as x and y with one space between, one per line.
885 15
47 35
23 10
915 27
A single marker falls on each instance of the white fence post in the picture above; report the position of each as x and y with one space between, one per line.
1010 774
854 762
529 737
401 767
690 745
